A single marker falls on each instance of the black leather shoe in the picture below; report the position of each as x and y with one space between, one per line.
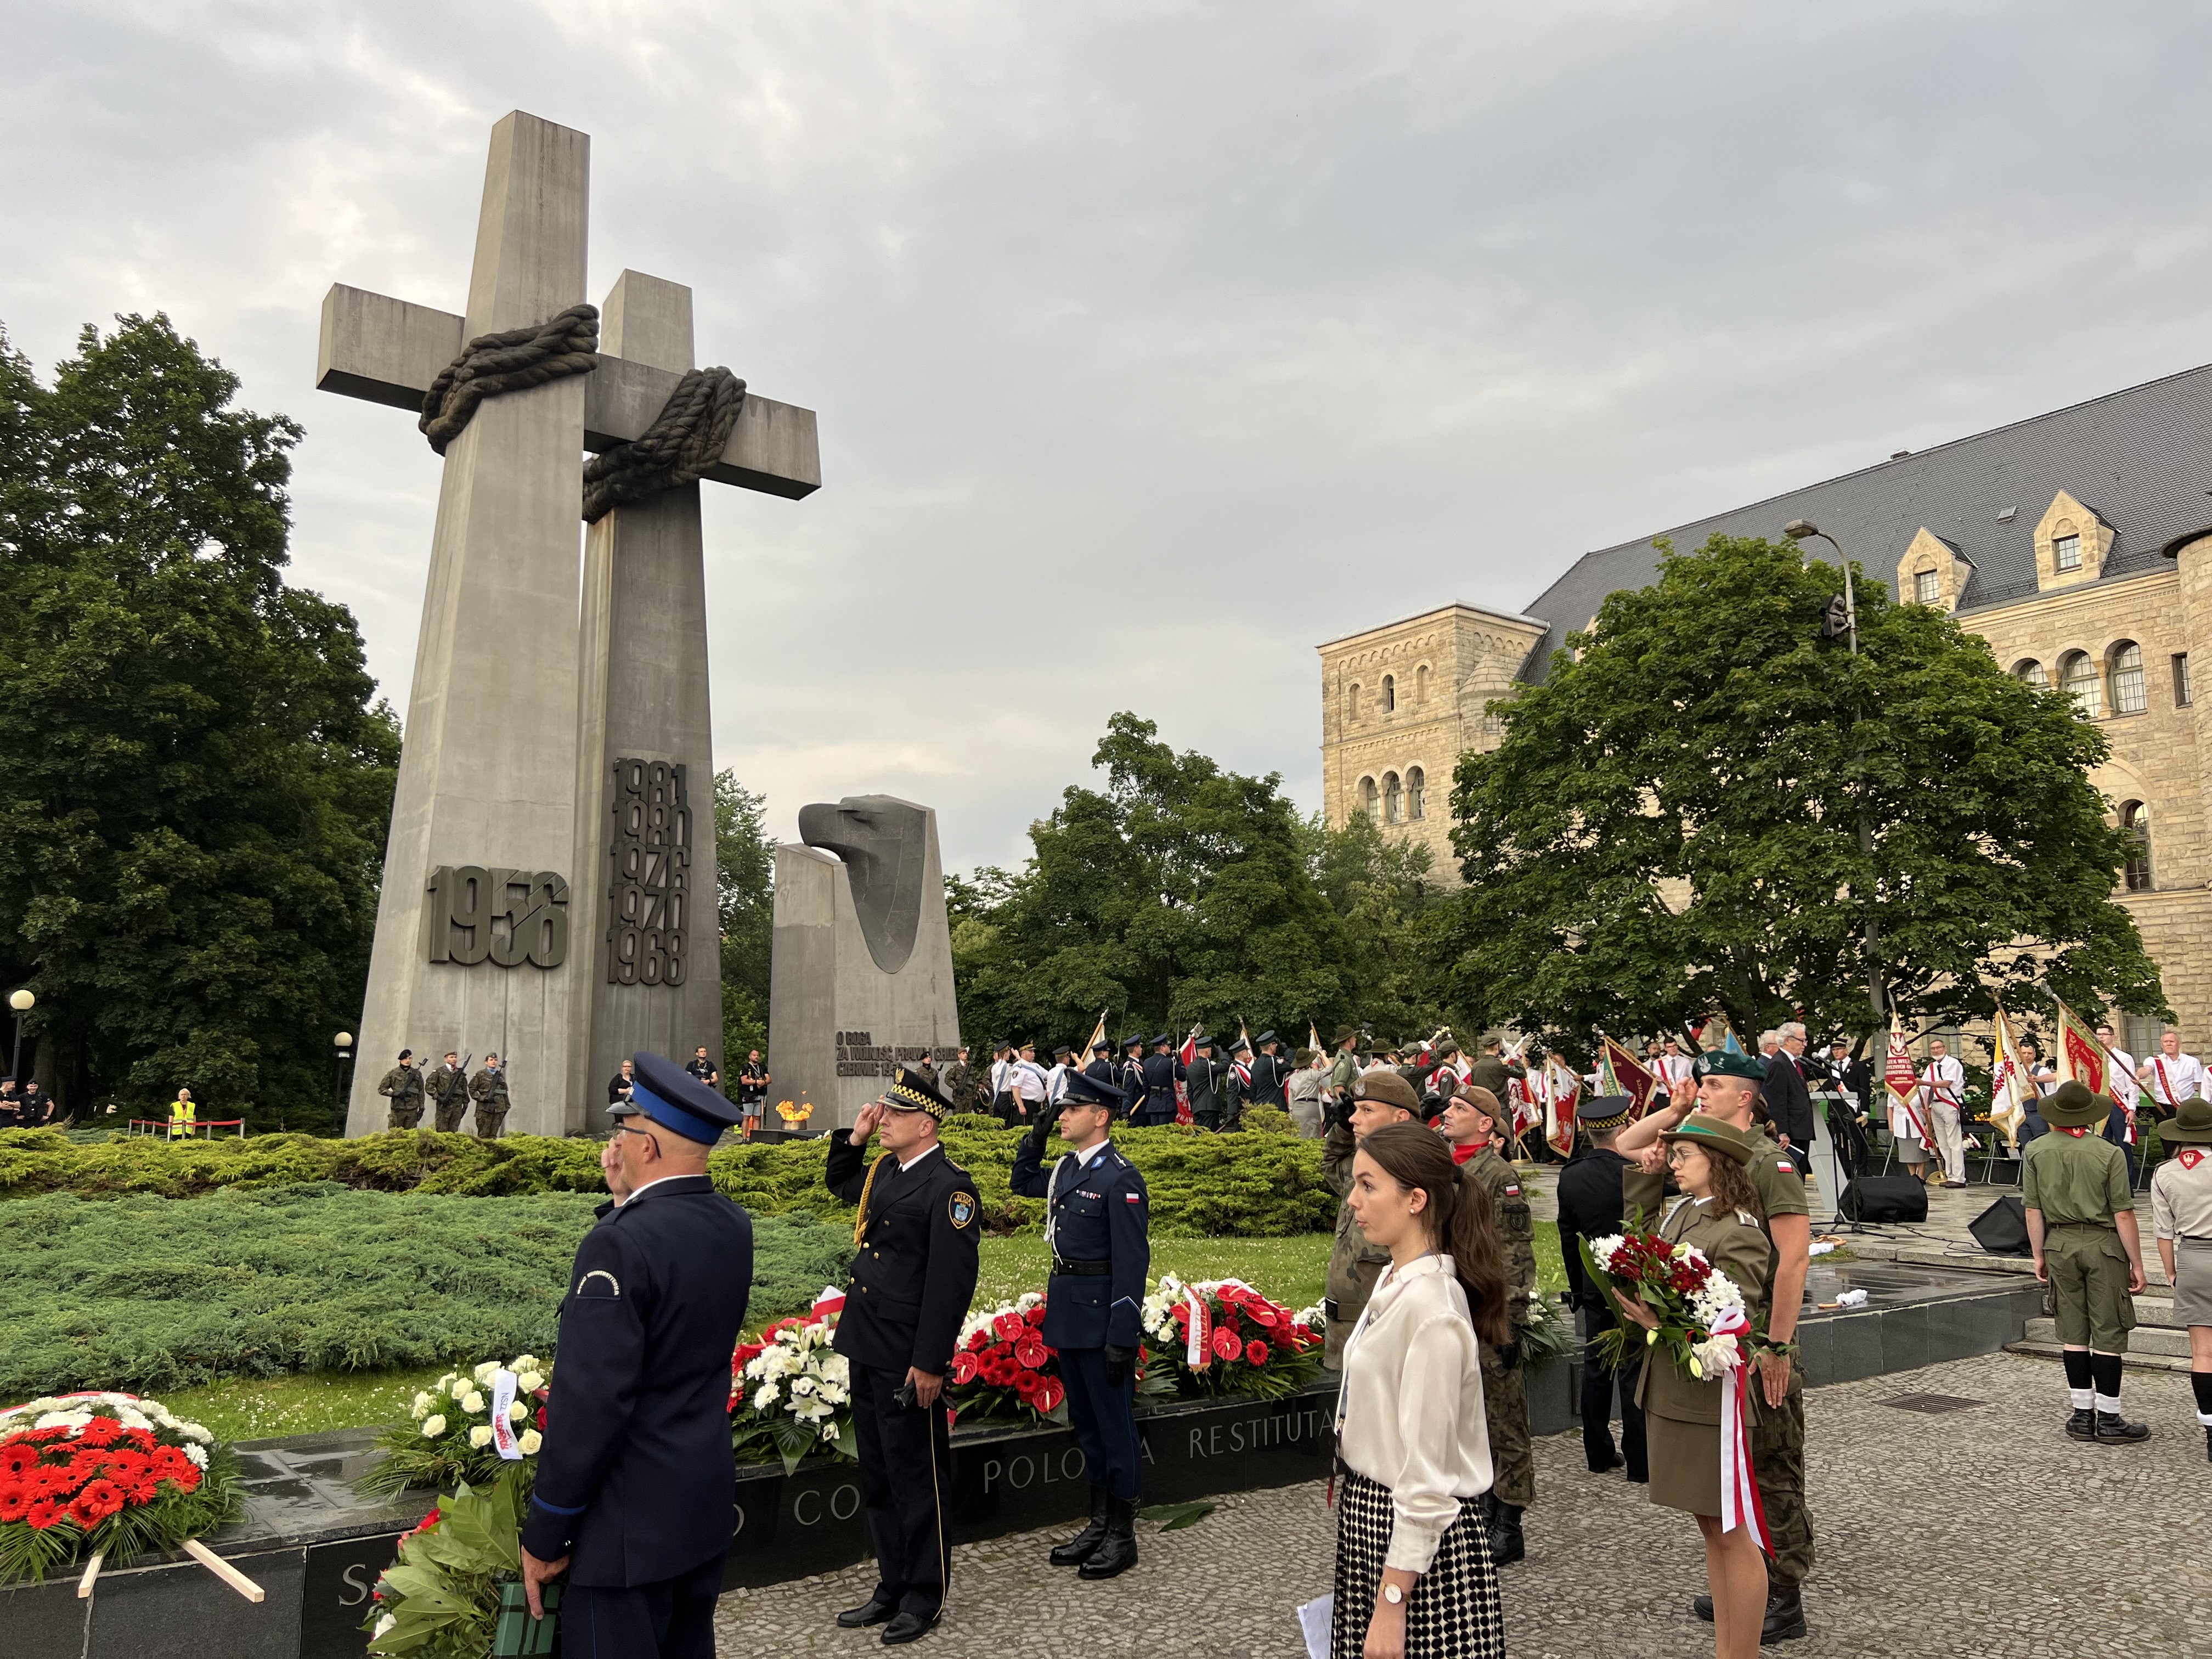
1612 1463
1506 1544
2113 1430
1080 1548
877 1612
2083 1426
1786 1615
907 1627
1703 1607
2208 1445
1117 1550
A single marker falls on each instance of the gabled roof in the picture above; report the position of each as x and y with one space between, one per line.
2141 460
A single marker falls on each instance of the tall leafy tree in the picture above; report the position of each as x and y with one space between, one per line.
1179 892
745 879
1671 824
1396 915
197 787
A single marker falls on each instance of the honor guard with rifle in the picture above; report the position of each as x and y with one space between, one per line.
487 1088
1097 1226
447 1088
403 1086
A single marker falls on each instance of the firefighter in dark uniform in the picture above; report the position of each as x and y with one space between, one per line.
635 1495
914 1275
1131 1076
1098 1218
1269 1074
1101 1064
1159 1074
1203 1080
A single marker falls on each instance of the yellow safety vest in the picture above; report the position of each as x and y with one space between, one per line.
181 1119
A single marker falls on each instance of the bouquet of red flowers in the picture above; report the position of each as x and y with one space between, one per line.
1227 1338
105 1473
1700 1310
1001 1366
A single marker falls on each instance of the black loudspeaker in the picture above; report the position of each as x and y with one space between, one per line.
1885 1198
2001 1230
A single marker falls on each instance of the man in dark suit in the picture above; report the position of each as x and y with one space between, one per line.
913 1276
1847 1123
1098 1225
1590 1206
635 1497
1786 1098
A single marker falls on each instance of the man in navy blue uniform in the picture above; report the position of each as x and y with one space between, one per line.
1102 1061
913 1276
635 1494
1159 1074
1269 1074
1132 1077
1097 1219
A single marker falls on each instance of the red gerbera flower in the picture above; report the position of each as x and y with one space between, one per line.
100 1432
1037 1315
1255 1352
14 1496
95 1503
16 1457
42 1513
1027 1383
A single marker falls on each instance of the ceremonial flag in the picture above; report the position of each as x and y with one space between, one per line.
2011 1089
1561 1088
1313 1041
1242 1068
2081 1058
1188 1055
1621 1073
1902 1079
1097 1037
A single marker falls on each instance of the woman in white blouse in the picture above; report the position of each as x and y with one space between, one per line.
1413 1574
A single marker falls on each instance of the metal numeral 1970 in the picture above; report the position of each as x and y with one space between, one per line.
506 917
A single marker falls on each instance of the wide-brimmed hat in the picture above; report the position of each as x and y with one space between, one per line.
1343 1035
2072 1106
1711 1134
2192 1122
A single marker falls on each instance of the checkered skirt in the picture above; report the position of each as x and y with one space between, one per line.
1454 1611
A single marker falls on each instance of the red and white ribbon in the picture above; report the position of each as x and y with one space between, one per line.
1740 1505
503 1437
1196 1352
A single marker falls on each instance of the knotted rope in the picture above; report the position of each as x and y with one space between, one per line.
511 361
685 440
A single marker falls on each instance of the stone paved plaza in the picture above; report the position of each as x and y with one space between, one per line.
1979 1533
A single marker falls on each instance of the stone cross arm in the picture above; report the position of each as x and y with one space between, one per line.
387 352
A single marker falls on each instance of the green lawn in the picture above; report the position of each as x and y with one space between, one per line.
262 1407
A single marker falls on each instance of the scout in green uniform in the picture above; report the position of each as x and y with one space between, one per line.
403 1086
2082 1227
1504 1383
1726 1086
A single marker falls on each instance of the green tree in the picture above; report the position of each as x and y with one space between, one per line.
1396 915
198 788
745 881
1671 825
1181 892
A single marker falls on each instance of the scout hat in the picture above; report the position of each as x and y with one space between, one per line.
663 1092
2072 1106
1714 1135
1388 1088
2192 1122
1343 1035
915 1092
1724 1062
1603 1112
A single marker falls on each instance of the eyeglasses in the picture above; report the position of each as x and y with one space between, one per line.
1678 1151
625 1129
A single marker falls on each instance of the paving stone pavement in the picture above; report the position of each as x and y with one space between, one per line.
1980 1534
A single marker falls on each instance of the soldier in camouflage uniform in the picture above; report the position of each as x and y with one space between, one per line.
1504 1383
956 1082
1378 1097
1727 1086
449 1091
487 1088
402 1085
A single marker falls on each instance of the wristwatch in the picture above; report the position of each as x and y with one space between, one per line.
1393 1594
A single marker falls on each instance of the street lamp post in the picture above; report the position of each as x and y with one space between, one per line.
22 1002
1804 530
342 1043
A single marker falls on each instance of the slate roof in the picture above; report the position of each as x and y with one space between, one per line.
2140 458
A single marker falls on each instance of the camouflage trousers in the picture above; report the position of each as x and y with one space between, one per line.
405 1117
449 1114
1777 1453
1505 1405
489 1120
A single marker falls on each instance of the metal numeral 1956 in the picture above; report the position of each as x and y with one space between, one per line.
506 917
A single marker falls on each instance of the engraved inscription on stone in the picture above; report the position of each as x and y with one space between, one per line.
505 917
859 1054
649 886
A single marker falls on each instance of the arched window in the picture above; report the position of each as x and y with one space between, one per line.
1925 588
2032 671
1421 686
2128 694
2077 676
1416 782
1393 801
1389 694
2135 820
1351 705
1367 796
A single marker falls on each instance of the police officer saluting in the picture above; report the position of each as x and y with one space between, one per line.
913 1276
1097 1219
636 1495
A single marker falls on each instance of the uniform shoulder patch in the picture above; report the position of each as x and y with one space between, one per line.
960 1208
1133 1197
1513 1189
588 1285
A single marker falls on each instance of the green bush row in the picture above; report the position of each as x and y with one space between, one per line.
150 1294
1260 1183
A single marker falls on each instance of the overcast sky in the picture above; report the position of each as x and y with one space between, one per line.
1154 344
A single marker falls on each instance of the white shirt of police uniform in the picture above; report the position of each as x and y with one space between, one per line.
1029 1079
2172 1081
1055 1084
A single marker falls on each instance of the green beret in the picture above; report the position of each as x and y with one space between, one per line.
1721 1062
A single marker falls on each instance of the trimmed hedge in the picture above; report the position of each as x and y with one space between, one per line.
149 1294
1260 1183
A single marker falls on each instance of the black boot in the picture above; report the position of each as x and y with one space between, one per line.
1506 1545
2208 1445
2083 1426
2113 1430
1079 1549
1117 1550
1786 1615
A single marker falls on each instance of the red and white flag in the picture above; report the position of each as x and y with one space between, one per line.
1188 1055
1902 1079
2011 1089
1562 1089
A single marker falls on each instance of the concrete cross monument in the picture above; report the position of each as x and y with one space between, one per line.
549 884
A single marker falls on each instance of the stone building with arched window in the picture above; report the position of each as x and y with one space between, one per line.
2078 545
